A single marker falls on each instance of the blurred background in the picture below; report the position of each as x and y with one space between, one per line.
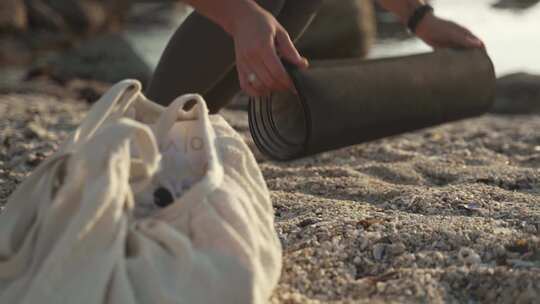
443 215
83 46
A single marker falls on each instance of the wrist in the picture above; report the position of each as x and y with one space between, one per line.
407 9
424 24
234 14
418 16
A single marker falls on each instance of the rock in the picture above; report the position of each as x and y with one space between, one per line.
43 42
523 264
379 251
37 131
342 29
87 90
307 222
515 4
12 15
117 12
472 208
42 16
108 58
520 246
37 86
155 13
469 257
517 94
81 16
396 249
13 51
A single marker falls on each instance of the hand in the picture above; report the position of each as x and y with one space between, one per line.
259 42
440 33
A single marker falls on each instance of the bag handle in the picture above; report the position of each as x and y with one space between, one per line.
214 167
115 102
147 164
176 110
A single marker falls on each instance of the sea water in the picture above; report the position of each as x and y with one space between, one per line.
512 37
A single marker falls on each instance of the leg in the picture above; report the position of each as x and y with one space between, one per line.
200 55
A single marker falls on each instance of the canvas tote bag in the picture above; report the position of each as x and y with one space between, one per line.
142 204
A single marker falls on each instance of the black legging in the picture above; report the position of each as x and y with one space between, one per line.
200 57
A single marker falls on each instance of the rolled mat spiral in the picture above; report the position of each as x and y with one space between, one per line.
340 103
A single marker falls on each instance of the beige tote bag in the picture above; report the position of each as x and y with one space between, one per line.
142 204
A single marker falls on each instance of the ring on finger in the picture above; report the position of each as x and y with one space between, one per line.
252 79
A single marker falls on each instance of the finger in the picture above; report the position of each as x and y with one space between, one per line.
438 43
248 87
277 71
466 41
477 42
465 38
460 28
442 45
287 50
452 39
264 81
469 40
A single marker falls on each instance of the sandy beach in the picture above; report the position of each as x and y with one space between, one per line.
449 214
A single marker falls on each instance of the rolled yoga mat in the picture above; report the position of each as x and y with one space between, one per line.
346 102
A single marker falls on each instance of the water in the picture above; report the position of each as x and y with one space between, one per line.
512 38
150 42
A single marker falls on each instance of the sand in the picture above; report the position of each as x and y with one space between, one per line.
448 214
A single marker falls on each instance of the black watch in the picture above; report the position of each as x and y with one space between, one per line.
417 16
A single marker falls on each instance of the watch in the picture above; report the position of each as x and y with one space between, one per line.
417 16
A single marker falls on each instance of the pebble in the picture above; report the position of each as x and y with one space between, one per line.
396 249
469 257
421 248
379 251
364 242
307 222
438 257
381 286
522 264
530 229
15 161
33 129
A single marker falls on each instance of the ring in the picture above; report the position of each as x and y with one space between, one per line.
252 78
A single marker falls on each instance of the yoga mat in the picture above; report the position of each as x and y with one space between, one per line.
346 102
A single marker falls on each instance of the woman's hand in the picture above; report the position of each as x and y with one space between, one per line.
437 32
259 42
440 33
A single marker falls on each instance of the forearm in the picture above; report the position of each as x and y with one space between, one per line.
401 8
224 12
